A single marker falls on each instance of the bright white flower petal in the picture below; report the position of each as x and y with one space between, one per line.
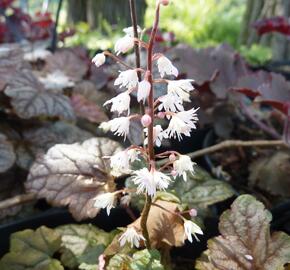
128 78
149 181
129 31
190 228
119 126
165 67
120 162
182 166
170 103
181 123
106 200
181 88
99 59
132 237
143 92
124 44
120 103
158 135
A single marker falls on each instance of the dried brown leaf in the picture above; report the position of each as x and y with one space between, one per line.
30 99
73 175
245 242
272 173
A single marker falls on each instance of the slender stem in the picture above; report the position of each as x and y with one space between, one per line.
148 202
17 200
231 144
137 45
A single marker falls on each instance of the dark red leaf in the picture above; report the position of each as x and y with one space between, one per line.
275 24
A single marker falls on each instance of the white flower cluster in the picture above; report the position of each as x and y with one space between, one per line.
171 107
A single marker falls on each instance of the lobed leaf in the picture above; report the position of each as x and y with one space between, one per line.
31 250
30 99
73 175
245 242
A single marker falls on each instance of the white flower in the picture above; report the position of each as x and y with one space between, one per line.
99 59
158 135
150 181
166 67
119 126
128 78
182 166
132 237
57 81
120 162
170 102
120 103
143 92
181 123
191 228
181 88
124 44
105 200
129 31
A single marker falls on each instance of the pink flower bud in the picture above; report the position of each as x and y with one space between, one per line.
173 173
193 212
172 157
164 2
161 115
146 120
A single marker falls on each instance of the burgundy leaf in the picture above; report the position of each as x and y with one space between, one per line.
275 24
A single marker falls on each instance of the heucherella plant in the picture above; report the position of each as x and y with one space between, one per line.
152 178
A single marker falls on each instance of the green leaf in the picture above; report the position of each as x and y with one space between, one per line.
245 241
141 260
146 260
82 244
201 190
30 250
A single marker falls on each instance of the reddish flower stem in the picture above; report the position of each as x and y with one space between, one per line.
148 202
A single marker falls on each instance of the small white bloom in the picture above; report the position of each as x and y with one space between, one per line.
143 92
191 228
99 59
120 103
170 102
105 200
119 126
124 44
182 166
149 181
181 123
158 135
57 81
165 67
129 31
181 88
120 162
128 78
249 257
132 237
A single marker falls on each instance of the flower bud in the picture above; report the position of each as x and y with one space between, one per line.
146 120
164 2
173 173
172 157
193 212
161 115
